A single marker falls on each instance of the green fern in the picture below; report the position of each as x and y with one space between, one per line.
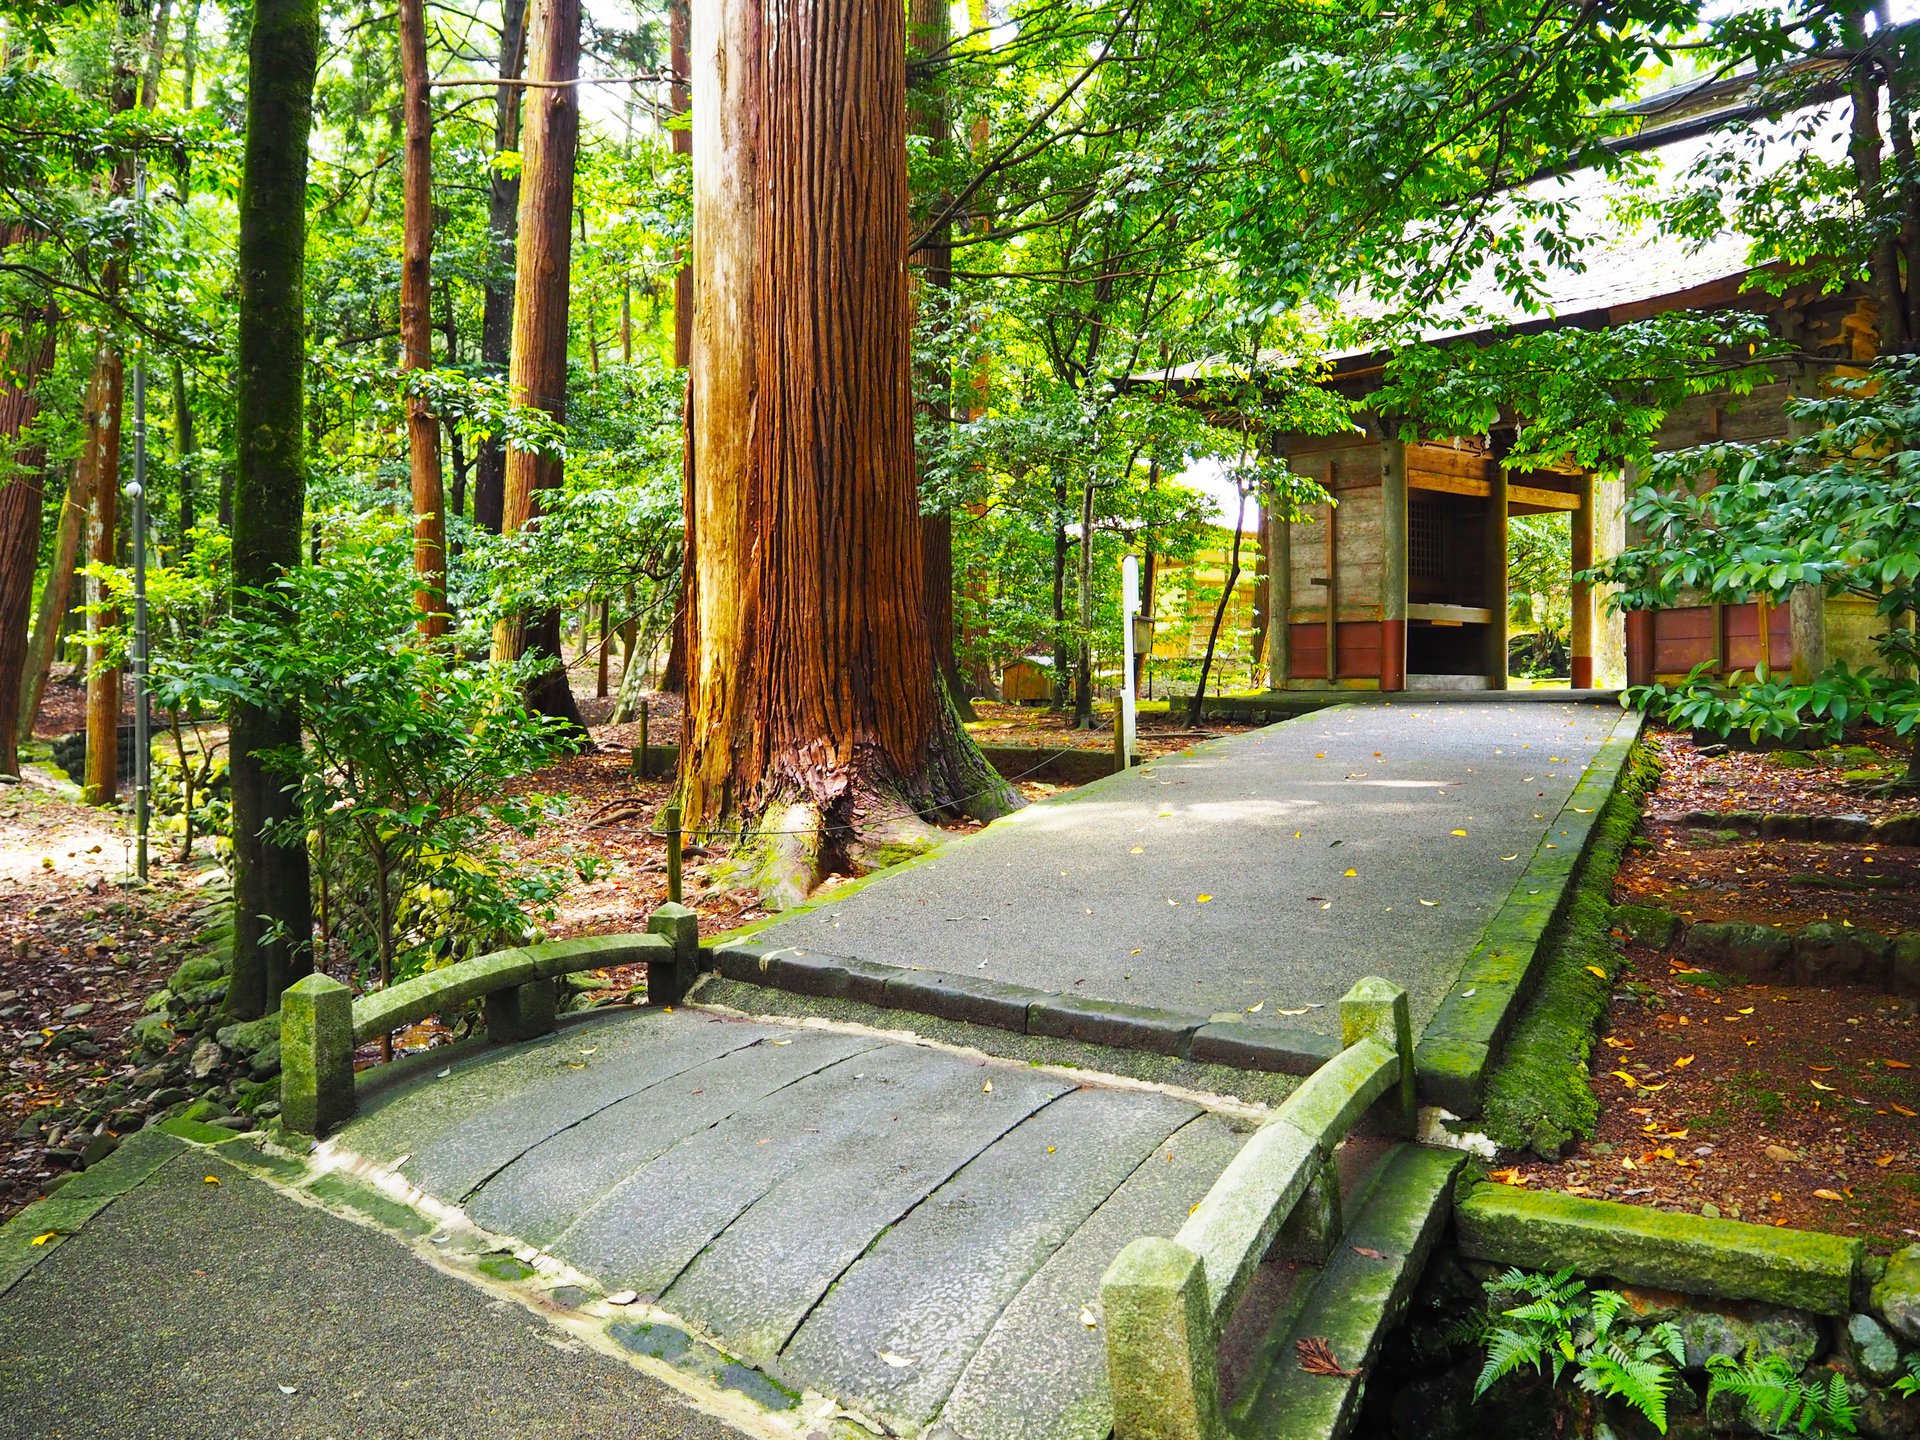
1779 1401
1560 1325
1909 1383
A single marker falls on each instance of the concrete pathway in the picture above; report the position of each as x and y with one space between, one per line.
918 1231
202 1302
1260 874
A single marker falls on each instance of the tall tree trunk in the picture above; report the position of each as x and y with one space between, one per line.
538 376
21 500
416 325
813 701
1083 639
503 219
679 102
1197 702
55 595
101 783
1062 670
273 908
927 116
183 452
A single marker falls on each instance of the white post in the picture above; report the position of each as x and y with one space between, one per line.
1129 608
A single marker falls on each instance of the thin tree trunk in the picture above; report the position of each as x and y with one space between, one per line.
183 451
1083 640
538 377
55 595
1061 670
22 492
503 219
679 102
1219 614
101 784
272 887
813 701
416 326
927 115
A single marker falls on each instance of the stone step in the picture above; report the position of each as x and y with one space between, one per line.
1356 1300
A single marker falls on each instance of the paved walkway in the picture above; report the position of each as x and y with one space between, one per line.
912 1229
1263 873
918 1231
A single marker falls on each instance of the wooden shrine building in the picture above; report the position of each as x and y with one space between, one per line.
1403 584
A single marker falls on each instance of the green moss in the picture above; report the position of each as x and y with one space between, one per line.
1537 1095
1792 760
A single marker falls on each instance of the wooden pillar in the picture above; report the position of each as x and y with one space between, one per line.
1279 598
1393 565
1333 591
1763 615
1581 662
1496 579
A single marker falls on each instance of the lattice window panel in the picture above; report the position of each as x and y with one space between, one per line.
1426 542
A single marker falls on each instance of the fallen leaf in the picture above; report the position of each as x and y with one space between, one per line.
1434 903
898 1362
1818 1086
623 1297
987 1089
1256 1009
1509 1176
1351 872
1884 1161
51 1235
1683 1062
1201 899
1828 1195
1899 1108
444 1073
1896 1064
1596 970
1316 1358
1747 1011
1509 857
1369 1254
1138 850
1456 832
209 1179
1301 1011
1624 1078
1822 1069
1086 1319
287 1389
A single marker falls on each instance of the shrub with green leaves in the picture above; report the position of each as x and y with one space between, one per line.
410 748
1561 1326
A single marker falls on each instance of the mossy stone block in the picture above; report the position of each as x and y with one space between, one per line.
1449 1072
1903 964
1649 924
521 1013
1792 760
1828 954
1897 830
1160 1344
1740 947
316 1055
1896 1296
1726 1259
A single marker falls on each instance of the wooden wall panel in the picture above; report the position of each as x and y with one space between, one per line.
1359 650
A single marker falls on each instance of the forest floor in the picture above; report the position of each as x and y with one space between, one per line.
1779 1104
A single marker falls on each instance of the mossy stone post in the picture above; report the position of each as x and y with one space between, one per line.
668 980
522 1012
670 824
1160 1344
316 1055
1376 1009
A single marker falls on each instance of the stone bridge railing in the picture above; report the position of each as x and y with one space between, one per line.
321 1023
1167 1301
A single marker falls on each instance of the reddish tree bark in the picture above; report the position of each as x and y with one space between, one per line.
538 374
21 502
503 220
416 325
813 715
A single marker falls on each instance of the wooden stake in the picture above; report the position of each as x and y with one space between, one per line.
671 819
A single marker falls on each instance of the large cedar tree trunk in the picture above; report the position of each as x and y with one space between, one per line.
21 488
416 325
272 898
101 783
538 374
814 716
55 595
503 219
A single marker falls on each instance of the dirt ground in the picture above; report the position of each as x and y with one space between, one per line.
80 951
1783 1105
